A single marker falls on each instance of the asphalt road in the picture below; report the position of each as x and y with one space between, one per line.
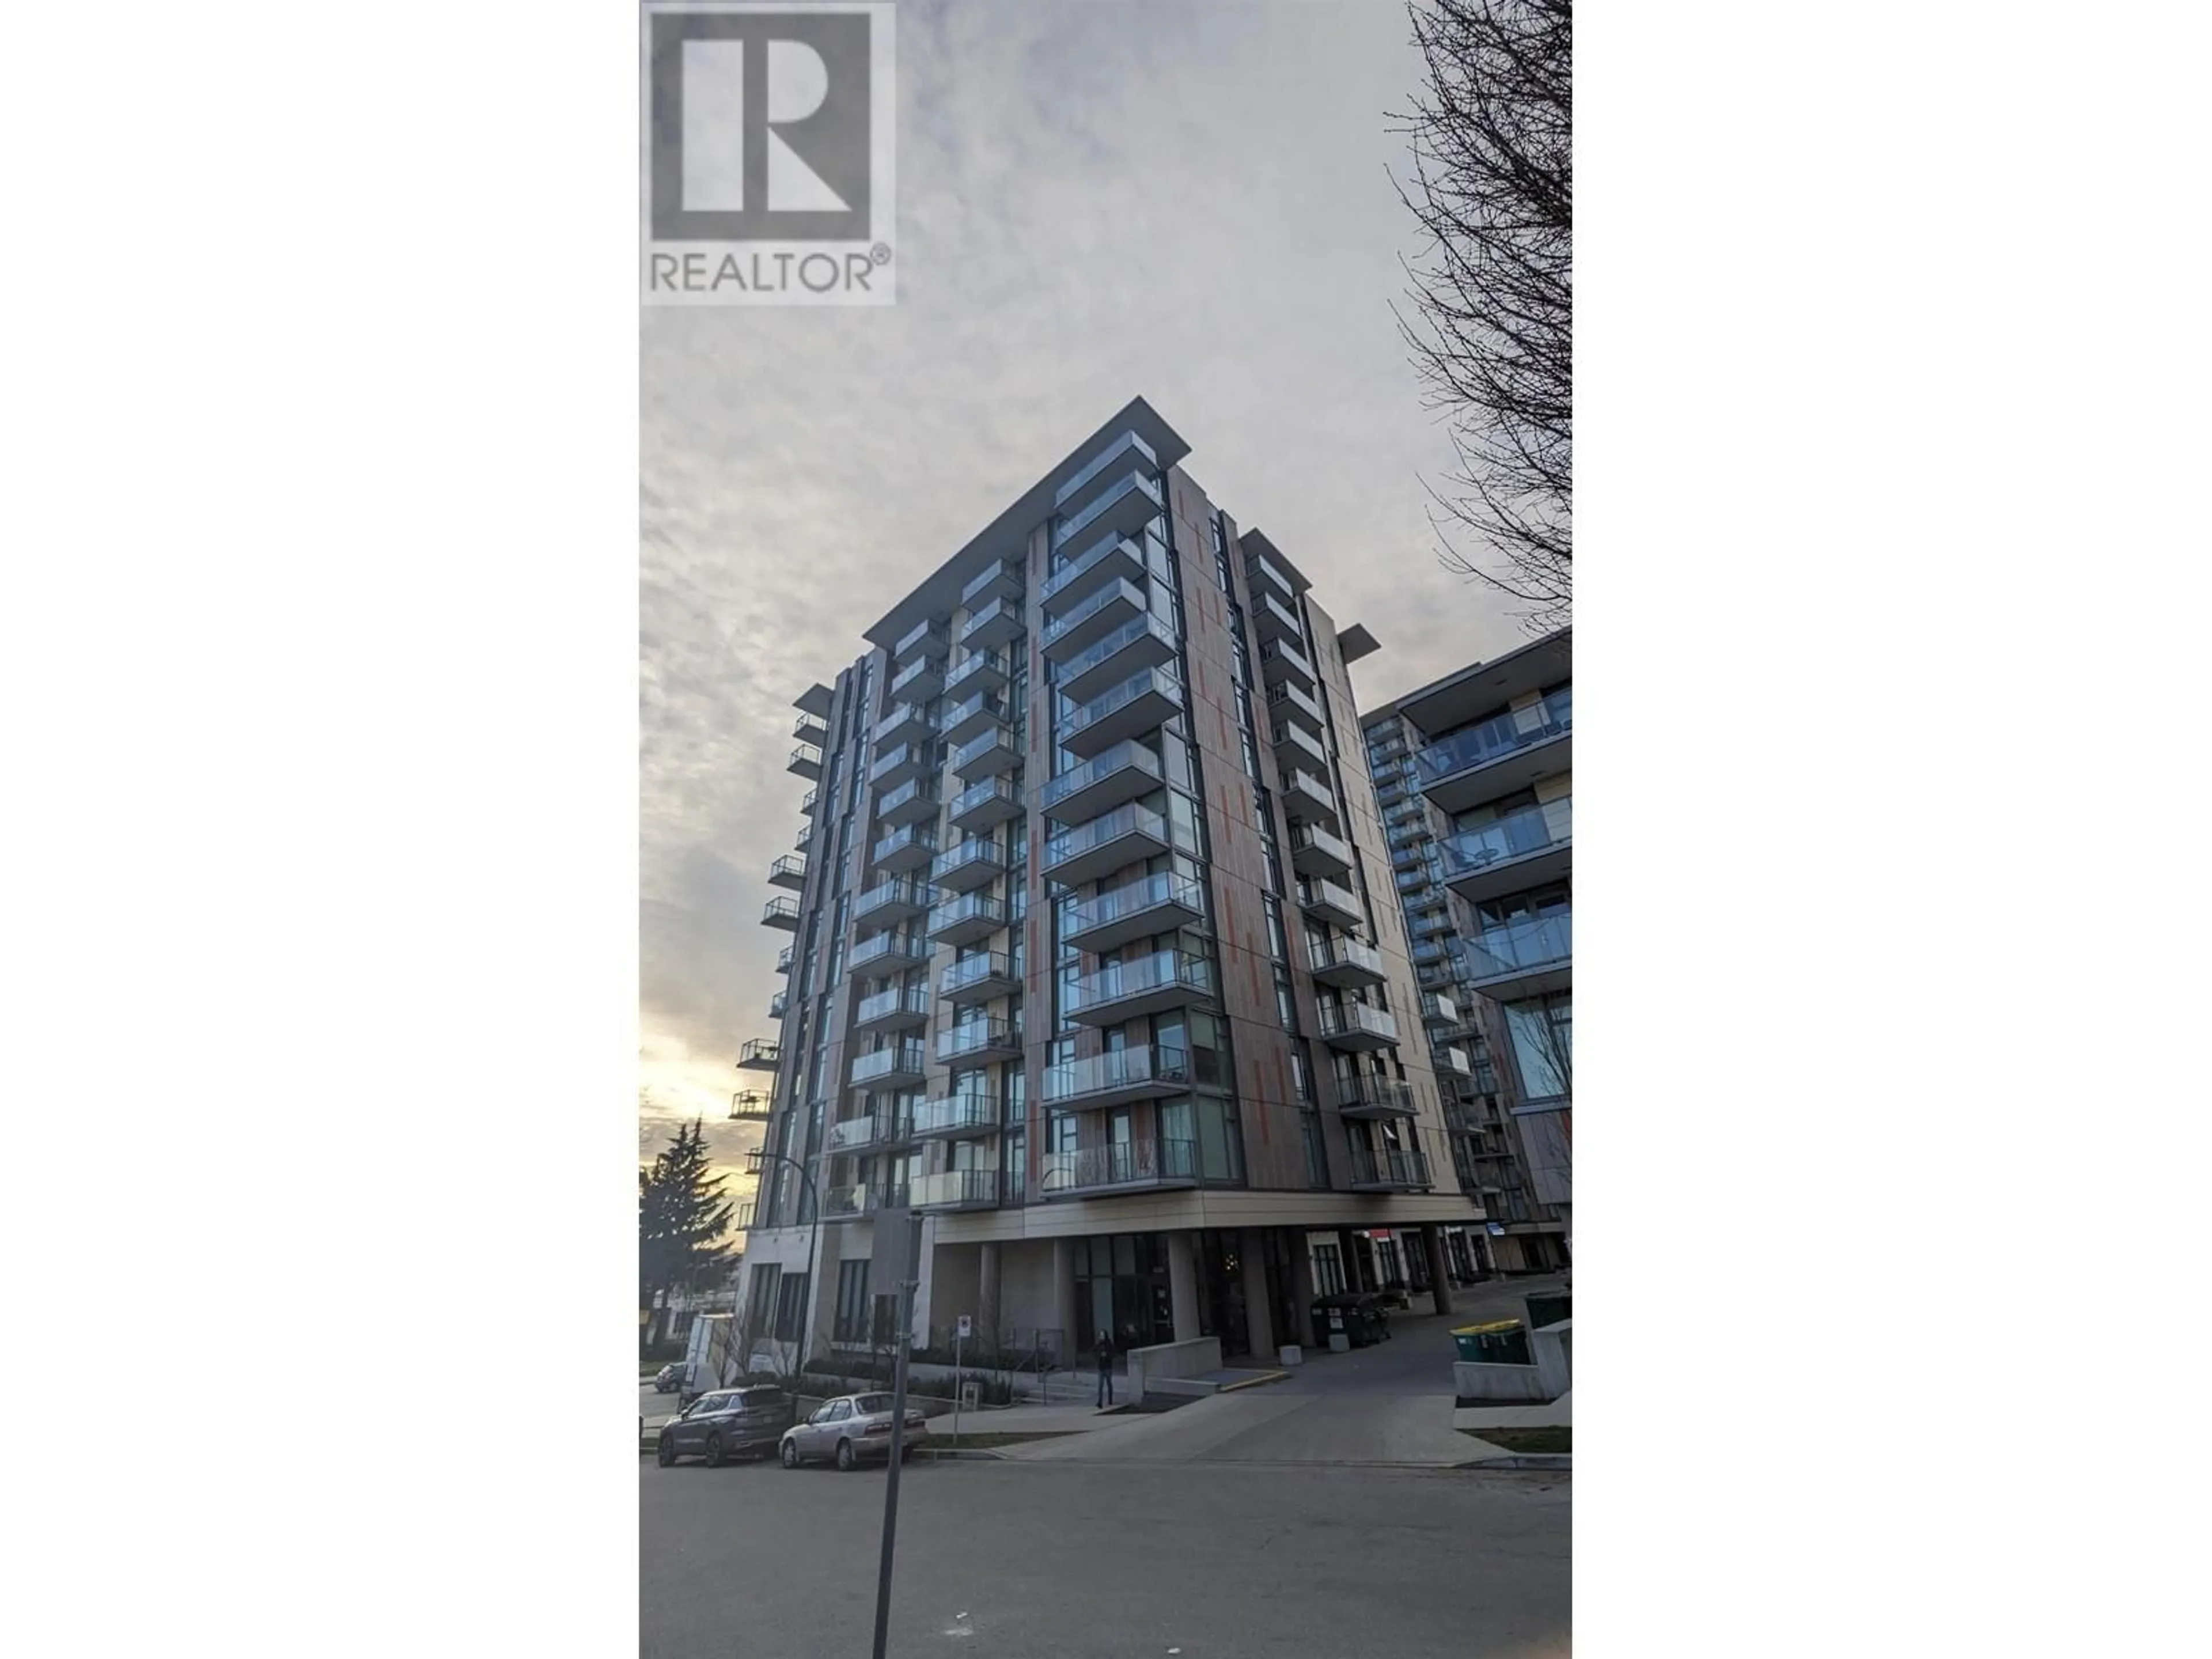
1221 1561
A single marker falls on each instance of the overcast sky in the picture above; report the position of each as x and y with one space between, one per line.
1095 202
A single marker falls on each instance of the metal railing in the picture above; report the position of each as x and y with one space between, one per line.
1393 1166
1158 971
1531 830
1500 735
1121 1068
1120 1163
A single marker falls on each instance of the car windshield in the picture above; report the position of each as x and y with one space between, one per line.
712 1402
873 1402
752 1399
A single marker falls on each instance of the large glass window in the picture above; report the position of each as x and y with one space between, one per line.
790 1307
1544 1045
853 1309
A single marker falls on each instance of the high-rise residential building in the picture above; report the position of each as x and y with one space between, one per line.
1095 960
1474 777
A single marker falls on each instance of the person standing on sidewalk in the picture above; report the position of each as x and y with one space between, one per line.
1105 1371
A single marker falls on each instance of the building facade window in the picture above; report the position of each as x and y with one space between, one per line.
854 1311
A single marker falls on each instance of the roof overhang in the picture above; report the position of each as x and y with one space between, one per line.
1452 702
939 595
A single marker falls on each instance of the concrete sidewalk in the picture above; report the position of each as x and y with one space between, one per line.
1271 1425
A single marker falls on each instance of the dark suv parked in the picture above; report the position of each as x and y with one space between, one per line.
728 1423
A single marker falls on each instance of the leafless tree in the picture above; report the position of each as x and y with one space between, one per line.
1492 329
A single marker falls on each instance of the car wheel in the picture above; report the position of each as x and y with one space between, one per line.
664 1452
714 1451
790 1454
845 1459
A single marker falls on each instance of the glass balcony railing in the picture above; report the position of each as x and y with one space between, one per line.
898 1060
1345 954
1367 1092
1531 830
913 792
1164 891
972 856
957 1042
1153 687
989 663
1128 444
956 1115
921 676
781 913
1522 947
997 739
1121 1071
1501 735
974 971
1120 1163
1123 757
977 914
914 836
1123 981
1311 837
923 635
901 716
900 1003
1128 554
1069 529
1389 1166
1120 592
1001 791
1127 820
1358 1019
954 1189
892 947
1146 627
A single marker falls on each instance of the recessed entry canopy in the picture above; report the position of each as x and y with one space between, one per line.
1009 533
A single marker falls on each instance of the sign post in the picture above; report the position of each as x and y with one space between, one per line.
959 1340
898 1246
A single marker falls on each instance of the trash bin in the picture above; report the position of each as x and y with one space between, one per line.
1500 1342
1342 1314
1374 1308
1548 1308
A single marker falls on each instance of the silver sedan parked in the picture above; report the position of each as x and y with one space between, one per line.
848 1429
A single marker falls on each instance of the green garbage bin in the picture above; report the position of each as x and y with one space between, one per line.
1501 1342
1548 1308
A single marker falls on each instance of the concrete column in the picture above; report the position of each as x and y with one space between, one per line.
987 1293
1432 1238
1347 1251
1182 1285
1074 1339
1303 1292
1258 1306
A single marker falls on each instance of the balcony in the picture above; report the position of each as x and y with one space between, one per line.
955 1189
1084 575
1273 619
899 1064
971 864
781 913
852 1203
783 960
1116 605
956 1117
1001 579
1116 1079
1357 1026
1437 1009
856 1135
889 953
816 700
1409 820
1291 706
1262 572
1324 901
1159 904
760 1054
806 806
805 761
925 637
986 804
1071 495
1369 1097
979 1043
778 1005
1149 985
1142 703
920 679
1430 924
1121 774
914 801
910 847
1307 798
975 714
1390 1169
999 623
1120 1166
899 1009
1498 756
1295 747
1527 959
1123 507
979 670
905 720
1145 641
983 977
968 920
1346 962
900 899
988 755
1452 1062
908 762
1282 663
1095 850
789 871
807 729
1532 847
1315 852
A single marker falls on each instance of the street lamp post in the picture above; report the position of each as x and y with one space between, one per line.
754 1160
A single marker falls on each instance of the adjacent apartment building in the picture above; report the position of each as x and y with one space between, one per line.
1474 777
1096 960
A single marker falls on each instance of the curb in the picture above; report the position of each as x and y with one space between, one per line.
1253 1382
1560 1461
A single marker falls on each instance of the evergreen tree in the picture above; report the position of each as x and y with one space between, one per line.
682 1214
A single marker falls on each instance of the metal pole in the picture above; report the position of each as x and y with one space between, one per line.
955 1385
907 1289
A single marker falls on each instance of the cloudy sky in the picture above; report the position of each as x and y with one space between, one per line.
1095 202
